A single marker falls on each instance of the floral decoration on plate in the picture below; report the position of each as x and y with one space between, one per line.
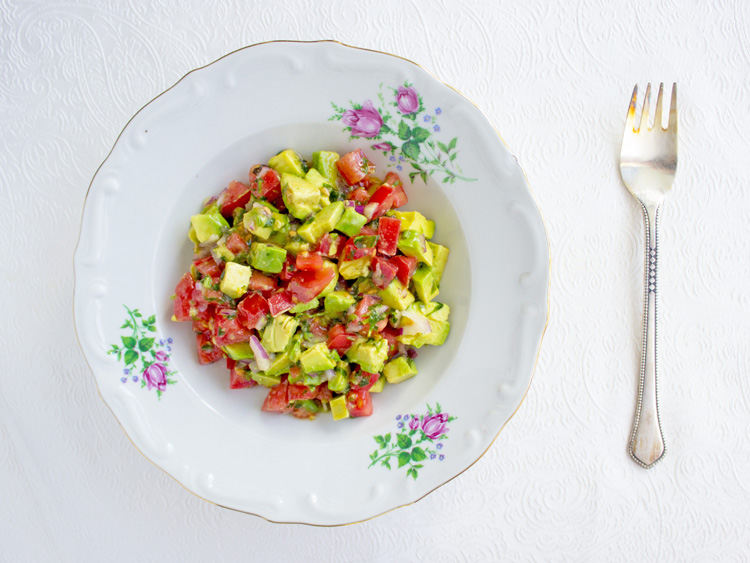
152 354
428 429
405 134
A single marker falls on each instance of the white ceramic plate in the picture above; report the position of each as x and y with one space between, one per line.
210 128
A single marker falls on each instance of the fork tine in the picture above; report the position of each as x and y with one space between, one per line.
630 120
658 111
646 109
673 109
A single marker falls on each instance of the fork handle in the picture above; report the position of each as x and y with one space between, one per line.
647 441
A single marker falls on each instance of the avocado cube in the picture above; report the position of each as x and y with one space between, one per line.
440 330
296 245
350 269
239 351
193 236
307 379
425 283
379 385
265 379
340 382
439 259
338 407
370 354
332 285
234 280
259 221
300 196
302 307
288 162
223 252
294 348
317 358
351 222
396 296
279 332
413 243
325 163
324 222
399 370
207 225
338 301
267 257
317 180
434 310
415 221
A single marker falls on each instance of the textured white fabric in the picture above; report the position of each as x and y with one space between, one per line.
554 79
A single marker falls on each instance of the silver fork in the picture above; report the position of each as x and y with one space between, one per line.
648 161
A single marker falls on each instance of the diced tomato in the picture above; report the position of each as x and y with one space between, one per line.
324 393
399 195
227 328
262 283
290 266
364 380
202 325
330 244
380 202
359 195
183 295
388 231
265 182
406 265
298 392
280 302
363 311
208 352
277 399
310 261
236 195
239 377
207 266
236 244
339 339
317 327
367 231
357 247
306 286
391 335
383 272
252 311
359 403
355 166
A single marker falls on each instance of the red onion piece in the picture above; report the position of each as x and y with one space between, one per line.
261 356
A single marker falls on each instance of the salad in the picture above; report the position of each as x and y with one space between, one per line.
310 283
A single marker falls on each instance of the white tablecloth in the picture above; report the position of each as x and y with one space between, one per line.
555 79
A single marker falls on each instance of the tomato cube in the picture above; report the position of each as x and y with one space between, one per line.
277 399
227 328
359 403
266 182
239 377
330 244
380 202
359 195
236 195
262 283
363 380
280 302
252 311
310 261
388 231
183 296
339 339
236 244
208 352
354 167
208 267
306 286
383 272
406 266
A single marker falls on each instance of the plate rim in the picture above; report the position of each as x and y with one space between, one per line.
528 187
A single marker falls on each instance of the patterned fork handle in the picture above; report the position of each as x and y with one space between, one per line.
647 440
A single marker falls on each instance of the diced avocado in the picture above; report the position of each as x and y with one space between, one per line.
332 285
280 222
323 222
338 407
193 236
351 222
415 221
379 385
294 348
267 257
223 252
234 280
302 307
396 296
439 259
288 162
399 370
266 379
279 332
259 221
239 351
338 301
350 269
340 382
315 178
207 225
317 358
425 283
365 285
440 330
325 163
370 354
308 379
413 243
300 196
436 311
296 244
